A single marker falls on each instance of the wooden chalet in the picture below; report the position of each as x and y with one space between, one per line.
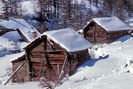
53 55
105 30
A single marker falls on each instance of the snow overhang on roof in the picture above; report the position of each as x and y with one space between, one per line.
111 24
69 39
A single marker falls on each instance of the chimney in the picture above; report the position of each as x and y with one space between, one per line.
33 34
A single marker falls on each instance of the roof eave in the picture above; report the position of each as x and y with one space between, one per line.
21 58
118 30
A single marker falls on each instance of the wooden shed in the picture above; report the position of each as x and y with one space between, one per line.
105 30
54 55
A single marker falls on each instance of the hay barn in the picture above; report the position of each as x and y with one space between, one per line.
52 55
105 30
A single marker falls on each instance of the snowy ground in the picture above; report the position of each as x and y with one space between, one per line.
113 70
5 65
32 85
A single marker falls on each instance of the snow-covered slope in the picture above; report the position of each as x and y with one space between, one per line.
111 68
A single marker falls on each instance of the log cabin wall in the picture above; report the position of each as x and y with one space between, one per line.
22 74
47 59
39 57
77 58
36 56
96 34
112 36
80 56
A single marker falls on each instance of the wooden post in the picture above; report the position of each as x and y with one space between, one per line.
62 69
95 37
42 68
58 69
29 62
45 49
50 44
15 72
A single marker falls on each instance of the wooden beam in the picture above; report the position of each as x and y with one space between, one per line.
55 52
62 69
45 49
58 69
29 62
95 34
50 44
42 68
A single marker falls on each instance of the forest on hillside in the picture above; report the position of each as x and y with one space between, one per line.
57 14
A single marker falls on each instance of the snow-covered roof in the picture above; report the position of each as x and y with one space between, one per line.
129 21
20 24
13 36
4 28
111 24
68 39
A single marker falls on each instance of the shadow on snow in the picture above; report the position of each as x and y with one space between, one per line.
91 62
